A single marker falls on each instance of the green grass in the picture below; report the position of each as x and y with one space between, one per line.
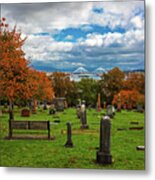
44 153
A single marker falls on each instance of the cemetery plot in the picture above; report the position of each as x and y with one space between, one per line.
83 152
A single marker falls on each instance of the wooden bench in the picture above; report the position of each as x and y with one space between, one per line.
28 125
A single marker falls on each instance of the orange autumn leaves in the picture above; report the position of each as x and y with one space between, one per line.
41 85
17 79
129 97
133 90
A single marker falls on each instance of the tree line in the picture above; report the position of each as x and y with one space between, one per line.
20 83
113 85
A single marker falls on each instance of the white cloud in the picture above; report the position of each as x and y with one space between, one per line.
60 46
54 17
34 18
69 37
45 48
77 64
138 22
130 38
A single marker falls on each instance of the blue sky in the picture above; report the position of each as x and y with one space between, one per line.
66 36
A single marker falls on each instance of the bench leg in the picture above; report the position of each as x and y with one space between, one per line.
10 130
49 136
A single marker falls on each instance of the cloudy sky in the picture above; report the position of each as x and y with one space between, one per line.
65 36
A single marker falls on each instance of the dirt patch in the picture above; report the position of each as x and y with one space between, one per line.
30 137
136 128
81 131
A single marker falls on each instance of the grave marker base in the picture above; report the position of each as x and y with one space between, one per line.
84 126
103 158
69 144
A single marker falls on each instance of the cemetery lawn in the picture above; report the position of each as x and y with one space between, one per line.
53 154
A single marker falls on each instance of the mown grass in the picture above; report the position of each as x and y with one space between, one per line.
53 154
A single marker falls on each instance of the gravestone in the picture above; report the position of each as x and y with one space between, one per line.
141 148
104 156
78 111
83 116
25 112
59 103
45 106
52 110
140 108
69 142
110 111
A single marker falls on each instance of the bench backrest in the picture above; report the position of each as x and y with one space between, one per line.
38 125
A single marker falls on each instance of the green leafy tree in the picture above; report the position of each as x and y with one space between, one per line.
88 90
111 83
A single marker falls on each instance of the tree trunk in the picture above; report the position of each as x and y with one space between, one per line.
0 109
11 115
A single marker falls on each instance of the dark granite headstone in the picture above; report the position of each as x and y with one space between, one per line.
69 142
103 156
84 120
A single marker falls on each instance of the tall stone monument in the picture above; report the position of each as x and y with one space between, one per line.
104 156
69 142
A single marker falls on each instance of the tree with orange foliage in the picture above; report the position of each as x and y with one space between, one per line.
135 81
44 89
130 98
17 79
13 65
41 85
